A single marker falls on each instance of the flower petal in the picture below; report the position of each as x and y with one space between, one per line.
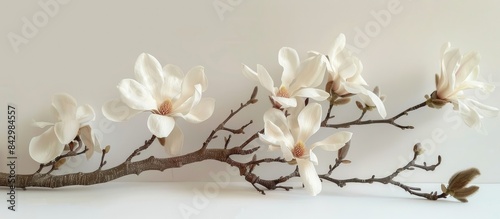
65 105
449 64
87 135
483 109
202 111
172 82
196 76
273 135
66 130
334 142
313 93
309 176
470 116
289 60
184 104
285 102
467 65
309 121
371 99
174 141
338 46
160 126
45 147
136 95
276 124
249 73
310 74
118 111
287 153
148 72
313 158
85 114
265 79
42 124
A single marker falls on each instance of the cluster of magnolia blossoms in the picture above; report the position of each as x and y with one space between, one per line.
298 81
169 94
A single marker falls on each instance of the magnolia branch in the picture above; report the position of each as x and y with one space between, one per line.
224 154
359 121
390 178
128 167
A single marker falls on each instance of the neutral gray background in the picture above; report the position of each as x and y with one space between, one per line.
85 48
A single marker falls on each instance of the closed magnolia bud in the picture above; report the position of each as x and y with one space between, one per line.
418 149
254 92
342 101
360 105
458 182
162 141
329 87
342 152
59 163
106 149
461 179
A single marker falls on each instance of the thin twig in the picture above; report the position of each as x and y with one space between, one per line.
391 121
221 126
143 147
390 178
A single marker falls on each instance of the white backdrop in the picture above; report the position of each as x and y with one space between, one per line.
85 48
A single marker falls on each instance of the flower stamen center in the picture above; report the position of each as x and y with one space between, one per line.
165 107
283 92
299 150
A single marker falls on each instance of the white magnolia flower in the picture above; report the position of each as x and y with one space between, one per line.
291 137
73 122
167 93
298 78
460 73
345 78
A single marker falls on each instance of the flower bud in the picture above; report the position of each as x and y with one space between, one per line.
342 152
418 149
360 105
342 101
59 163
329 87
106 149
457 183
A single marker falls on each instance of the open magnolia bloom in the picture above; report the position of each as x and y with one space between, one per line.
167 93
344 75
73 122
299 79
460 73
291 138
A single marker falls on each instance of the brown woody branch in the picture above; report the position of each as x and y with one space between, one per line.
390 178
359 121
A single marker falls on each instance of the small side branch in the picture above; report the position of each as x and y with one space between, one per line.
221 126
390 178
141 148
391 121
72 153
